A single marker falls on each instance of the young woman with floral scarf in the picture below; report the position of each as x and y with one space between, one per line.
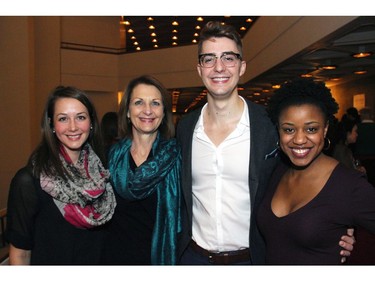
145 171
59 202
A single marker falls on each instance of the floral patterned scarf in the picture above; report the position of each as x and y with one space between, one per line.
86 199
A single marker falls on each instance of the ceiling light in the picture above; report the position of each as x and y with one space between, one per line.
174 31
138 48
194 41
249 20
362 55
156 45
154 40
360 72
153 34
150 19
243 28
335 79
199 19
174 43
197 27
174 37
329 67
130 30
175 23
307 75
151 27
196 34
125 22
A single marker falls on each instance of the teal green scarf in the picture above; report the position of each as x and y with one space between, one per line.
159 173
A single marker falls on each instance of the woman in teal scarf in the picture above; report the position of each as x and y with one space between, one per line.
145 170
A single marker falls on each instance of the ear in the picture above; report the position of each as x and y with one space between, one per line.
50 122
199 69
242 68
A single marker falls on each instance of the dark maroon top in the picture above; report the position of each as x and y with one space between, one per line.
311 234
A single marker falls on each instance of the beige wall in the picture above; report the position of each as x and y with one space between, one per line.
344 94
33 64
17 90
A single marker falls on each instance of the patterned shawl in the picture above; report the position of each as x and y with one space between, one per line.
86 199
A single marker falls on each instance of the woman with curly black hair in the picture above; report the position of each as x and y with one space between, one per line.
312 199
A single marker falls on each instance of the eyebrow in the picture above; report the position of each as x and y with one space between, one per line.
62 113
223 53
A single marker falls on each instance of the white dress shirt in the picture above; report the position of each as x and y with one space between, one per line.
221 196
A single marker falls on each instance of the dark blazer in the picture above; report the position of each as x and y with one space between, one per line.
263 140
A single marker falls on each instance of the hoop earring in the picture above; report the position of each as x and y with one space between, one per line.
327 143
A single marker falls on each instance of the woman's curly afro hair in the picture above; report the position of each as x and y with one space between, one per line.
299 92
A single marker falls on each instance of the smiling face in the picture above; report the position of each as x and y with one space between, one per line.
302 129
146 109
71 122
220 80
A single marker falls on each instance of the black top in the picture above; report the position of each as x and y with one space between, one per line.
128 241
35 223
311 234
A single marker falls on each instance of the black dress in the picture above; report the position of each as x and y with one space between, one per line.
311 234
35 223
129 233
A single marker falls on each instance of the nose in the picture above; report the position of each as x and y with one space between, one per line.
299 137
219 66
72 125
147 109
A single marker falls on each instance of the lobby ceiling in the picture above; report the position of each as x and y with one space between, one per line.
336 50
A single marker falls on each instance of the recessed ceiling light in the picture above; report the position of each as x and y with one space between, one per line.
329 67
362 55
360 72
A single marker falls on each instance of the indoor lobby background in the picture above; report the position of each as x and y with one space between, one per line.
33 62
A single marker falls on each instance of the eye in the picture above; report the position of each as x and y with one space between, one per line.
229 58
62 119
288 130
138 102
81 117
312 130
156 103
208 59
